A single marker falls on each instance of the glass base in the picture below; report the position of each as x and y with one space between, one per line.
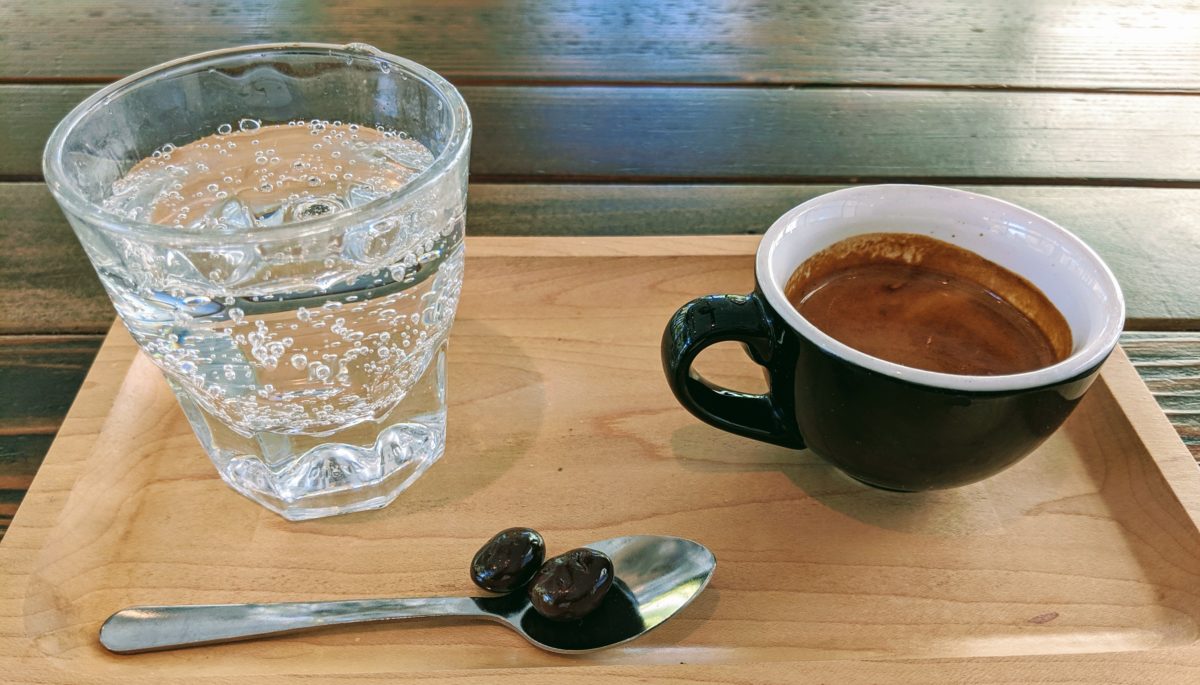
338 478
361 467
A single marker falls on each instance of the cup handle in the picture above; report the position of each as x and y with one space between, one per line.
721 318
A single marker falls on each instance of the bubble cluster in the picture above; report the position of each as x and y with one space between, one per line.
312 368
289 337
269 175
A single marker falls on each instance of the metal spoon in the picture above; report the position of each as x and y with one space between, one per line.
656 576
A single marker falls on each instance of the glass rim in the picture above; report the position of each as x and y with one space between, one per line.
75 203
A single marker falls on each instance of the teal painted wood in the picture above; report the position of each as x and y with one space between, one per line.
1047 44
1149 236
747 134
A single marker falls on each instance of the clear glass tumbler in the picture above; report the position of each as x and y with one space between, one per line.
307 354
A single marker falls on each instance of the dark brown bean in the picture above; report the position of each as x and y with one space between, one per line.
507 561
571 585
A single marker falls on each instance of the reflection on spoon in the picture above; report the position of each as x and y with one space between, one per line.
656 576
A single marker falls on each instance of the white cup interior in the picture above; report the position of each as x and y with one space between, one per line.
1070 274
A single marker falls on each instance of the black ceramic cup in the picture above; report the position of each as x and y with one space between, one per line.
888 425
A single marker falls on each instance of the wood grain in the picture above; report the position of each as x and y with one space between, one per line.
49 285
39 377
814 135
659 156
1169 363
44 372
1149 236
545 374
1049 44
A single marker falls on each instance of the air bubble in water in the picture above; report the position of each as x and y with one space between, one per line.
368 358
317 207
318 371
225 129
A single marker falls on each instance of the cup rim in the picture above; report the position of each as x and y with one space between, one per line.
1084 359
75 204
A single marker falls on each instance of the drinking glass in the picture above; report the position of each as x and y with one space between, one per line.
309 355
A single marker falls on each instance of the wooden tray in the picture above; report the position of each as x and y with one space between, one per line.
1081 561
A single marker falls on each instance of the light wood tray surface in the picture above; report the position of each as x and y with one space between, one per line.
1082 559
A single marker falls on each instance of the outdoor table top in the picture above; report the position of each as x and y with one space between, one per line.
670 117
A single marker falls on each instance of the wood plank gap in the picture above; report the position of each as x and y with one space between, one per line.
1091 182
513 82
21 426
554 179
1156 325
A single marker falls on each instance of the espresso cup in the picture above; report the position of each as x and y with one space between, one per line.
892 426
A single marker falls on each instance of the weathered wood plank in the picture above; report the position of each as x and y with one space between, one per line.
49 285
39 377
1051 43
1149 236
809 135
9 501
21 455
1169 363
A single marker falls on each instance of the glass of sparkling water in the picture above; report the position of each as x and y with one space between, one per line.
280 227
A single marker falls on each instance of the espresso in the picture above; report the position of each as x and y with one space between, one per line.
927 304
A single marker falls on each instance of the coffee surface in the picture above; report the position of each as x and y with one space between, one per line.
927 304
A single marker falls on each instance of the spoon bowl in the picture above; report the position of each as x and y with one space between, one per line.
654 578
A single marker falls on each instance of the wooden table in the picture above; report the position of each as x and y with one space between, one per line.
596 117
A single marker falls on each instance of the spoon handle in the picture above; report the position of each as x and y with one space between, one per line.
150 628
